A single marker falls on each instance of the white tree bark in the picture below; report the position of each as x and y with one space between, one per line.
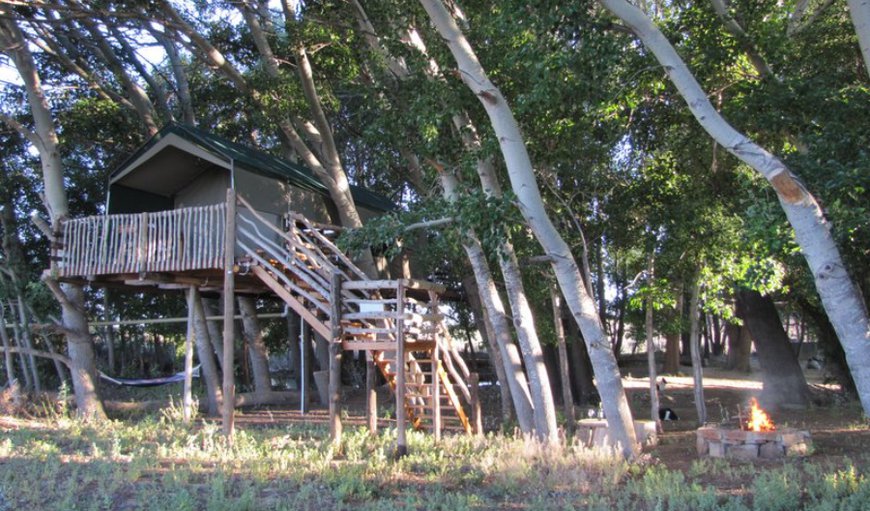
256 347
513 367
842 300
71 298
859 10
531 205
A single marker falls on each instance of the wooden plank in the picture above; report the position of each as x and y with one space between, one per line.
285 283
367 345
292 301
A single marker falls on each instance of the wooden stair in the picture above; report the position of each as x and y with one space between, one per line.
298 265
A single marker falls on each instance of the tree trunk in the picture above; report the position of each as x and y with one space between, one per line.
784 382
531 205
256 347
718 345
835 358
211 309
206 356
487 331
651 349
514 374
582 381
695 352
109 332
83 370
859 10
7 355
840 296
45 139
673 339
24 326
739 347
565 375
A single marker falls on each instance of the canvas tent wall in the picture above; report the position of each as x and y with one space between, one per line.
183 166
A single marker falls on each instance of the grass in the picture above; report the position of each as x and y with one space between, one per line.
157 463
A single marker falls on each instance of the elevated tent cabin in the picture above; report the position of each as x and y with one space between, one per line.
190 208
183 166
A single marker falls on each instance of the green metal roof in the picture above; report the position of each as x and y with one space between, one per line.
258 162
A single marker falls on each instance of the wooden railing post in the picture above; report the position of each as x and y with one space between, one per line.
401 440
229 313
141 265
436 392
371 393
335 360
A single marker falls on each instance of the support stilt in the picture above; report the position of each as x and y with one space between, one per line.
335 361
229 311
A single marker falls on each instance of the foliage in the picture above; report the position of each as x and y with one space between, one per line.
163 464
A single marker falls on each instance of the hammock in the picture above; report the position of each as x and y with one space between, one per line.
148 382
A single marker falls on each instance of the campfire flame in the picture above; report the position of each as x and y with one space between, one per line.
758 419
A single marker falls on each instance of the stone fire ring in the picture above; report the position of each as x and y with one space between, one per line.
718 442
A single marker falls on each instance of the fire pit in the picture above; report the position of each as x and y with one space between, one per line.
756 437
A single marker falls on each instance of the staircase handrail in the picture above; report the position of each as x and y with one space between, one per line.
329 244
312 278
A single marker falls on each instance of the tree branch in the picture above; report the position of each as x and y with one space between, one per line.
38 353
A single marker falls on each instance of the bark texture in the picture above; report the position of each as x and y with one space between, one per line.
784 382
257 351
531 205
45 139
205 354
514 374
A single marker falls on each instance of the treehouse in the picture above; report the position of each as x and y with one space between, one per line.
190 209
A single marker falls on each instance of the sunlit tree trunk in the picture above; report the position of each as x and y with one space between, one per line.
695 351
859 10
514 374
44 138
531 205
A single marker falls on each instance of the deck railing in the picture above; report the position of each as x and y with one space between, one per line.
164 241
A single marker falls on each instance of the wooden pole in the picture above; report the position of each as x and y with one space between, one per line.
436 392
305 365
401 440
187 399
229 313
335 360
371 393
476 413
567 395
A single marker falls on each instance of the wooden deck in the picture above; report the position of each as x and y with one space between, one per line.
397 321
